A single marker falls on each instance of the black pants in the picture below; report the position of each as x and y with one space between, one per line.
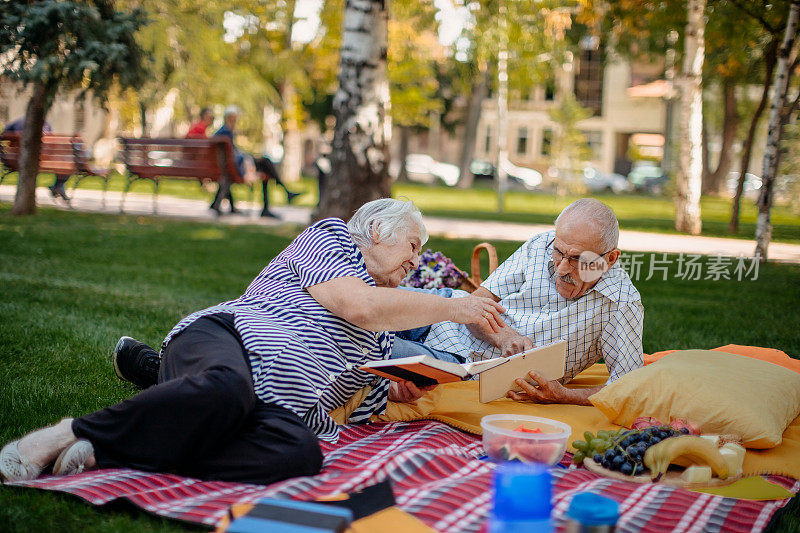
266 167
203 419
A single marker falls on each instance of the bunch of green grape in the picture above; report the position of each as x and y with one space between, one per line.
594 444
622 450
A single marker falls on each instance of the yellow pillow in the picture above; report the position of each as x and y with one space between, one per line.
721 392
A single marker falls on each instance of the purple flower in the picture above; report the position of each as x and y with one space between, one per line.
435 271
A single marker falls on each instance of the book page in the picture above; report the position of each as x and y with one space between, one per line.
549 361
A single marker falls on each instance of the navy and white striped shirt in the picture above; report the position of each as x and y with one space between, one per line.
302 356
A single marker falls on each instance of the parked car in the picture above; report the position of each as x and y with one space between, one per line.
646 176
752 185
447 173
526 178
482 170
419 167
597 181
423 168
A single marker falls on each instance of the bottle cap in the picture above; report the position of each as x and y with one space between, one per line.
522 492
592 509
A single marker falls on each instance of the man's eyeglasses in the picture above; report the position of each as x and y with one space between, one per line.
574 262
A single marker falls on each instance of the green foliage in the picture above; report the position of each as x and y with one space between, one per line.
71 44
570 148
411 64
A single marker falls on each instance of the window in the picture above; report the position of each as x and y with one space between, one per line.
522 141
589 80
594 140
547 141
550 90
487 146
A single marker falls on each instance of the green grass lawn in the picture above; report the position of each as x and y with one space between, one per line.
635 212
72 283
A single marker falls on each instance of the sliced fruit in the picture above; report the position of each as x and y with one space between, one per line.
697 474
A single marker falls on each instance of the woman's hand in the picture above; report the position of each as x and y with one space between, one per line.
406 391
483 312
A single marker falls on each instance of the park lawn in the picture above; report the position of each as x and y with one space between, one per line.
635 212
74 282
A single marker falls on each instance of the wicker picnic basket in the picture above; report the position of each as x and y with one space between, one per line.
473 281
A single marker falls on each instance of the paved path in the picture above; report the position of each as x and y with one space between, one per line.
169 206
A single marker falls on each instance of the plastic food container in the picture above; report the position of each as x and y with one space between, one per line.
528 439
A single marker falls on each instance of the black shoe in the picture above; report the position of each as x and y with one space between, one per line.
266 213
234 211
59 191
292 196
136 362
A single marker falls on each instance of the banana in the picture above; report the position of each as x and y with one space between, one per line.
697 450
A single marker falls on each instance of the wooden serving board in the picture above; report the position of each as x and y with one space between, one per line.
672 477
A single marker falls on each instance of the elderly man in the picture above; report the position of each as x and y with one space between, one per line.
563 284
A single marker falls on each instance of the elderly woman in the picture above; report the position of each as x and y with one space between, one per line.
245 386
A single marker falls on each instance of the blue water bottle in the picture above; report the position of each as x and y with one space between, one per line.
522 495
591 513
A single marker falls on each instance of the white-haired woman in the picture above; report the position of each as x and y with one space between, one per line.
244 387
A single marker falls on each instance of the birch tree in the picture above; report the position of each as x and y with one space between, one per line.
360 150
763 225
690 172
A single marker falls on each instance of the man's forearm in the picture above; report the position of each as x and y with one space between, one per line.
580 396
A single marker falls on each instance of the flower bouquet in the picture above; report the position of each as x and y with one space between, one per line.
435 271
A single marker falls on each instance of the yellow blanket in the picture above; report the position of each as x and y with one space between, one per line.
457 405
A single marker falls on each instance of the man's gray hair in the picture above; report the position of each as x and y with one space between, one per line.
389 218
598 215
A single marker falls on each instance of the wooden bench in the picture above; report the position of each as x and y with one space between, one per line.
63 155
187 159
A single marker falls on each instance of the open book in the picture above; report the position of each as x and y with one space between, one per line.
424 370
496 375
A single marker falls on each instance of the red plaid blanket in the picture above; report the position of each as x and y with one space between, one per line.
436 475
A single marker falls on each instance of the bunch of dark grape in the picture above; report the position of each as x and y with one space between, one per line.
622 450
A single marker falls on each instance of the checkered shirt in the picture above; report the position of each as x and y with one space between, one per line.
606 322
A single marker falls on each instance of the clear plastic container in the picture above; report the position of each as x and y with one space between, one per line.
528 439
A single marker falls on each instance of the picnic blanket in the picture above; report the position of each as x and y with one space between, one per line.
436 475
457 405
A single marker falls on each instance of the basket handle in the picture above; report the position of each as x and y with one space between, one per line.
475 265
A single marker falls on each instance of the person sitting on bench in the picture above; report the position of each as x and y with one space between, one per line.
57 189
263 166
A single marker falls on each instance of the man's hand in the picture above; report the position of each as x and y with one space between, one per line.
513 343
550 392
406 391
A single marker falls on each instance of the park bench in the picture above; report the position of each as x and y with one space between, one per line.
61 154
186 159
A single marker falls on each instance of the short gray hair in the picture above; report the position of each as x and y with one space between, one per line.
599 216
388 217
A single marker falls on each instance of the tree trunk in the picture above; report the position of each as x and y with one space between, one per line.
690 174
360 150
405 134
30 149
763 225
716 181
769 65
292 163
480 88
